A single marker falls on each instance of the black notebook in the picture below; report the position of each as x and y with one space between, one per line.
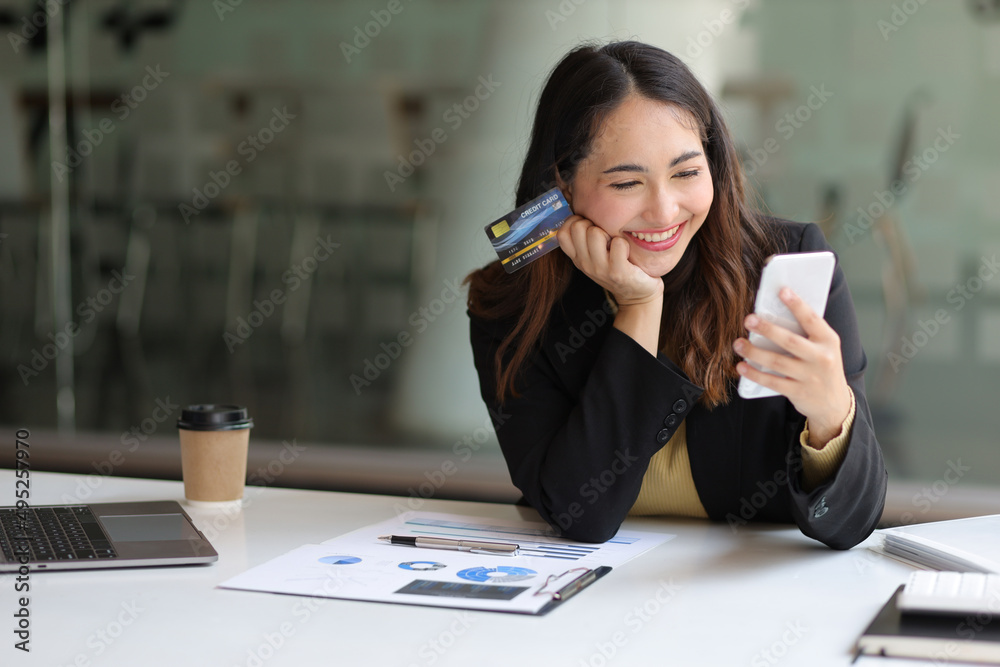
940 637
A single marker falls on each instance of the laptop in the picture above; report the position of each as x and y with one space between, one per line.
100 536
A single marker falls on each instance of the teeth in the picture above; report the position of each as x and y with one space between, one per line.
655 238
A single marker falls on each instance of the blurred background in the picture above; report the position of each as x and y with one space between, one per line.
274 204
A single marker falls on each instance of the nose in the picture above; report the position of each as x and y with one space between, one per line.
662 207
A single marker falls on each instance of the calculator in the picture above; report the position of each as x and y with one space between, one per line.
933 592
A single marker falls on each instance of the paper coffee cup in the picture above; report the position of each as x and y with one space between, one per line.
214 444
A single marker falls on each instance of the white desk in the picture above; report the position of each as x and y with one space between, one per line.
763 596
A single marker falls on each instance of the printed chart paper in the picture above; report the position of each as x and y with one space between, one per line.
357 566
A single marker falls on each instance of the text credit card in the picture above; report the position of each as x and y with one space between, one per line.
528 232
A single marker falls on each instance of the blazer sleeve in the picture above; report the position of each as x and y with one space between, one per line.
846 508
578 451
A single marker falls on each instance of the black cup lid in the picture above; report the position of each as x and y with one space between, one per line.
214 418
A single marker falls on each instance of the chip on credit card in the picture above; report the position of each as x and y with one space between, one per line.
529 231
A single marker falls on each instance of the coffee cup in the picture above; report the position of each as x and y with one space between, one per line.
214 443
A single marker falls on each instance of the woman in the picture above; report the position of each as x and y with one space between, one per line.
610 367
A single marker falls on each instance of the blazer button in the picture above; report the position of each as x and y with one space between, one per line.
680 405
671 420
820 509
663 436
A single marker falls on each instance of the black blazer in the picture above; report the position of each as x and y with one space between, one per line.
594 407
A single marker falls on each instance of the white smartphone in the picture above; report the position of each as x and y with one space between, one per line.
808 274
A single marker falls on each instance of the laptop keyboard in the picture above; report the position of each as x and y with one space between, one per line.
53 534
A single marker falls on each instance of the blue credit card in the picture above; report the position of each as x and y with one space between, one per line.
529 231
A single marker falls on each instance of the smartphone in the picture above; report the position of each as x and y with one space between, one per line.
808 274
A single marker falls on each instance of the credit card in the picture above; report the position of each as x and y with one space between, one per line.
529 231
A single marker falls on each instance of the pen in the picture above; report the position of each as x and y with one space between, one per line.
578 584
472 546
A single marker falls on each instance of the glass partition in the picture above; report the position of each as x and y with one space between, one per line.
275 203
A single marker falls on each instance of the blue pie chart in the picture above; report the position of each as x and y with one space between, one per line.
340 560
422 565
496 575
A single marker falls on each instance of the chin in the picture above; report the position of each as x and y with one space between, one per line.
661 263
658 268
663 272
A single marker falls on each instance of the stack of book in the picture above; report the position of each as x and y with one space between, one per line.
941 633
961 545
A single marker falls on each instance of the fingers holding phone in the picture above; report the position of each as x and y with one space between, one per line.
791 349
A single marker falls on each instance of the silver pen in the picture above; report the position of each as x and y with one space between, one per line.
472 546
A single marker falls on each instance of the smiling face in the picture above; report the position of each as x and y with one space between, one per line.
646 180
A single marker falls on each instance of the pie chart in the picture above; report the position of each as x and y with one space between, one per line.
422 565
340 560
496 575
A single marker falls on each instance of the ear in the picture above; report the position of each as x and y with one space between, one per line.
566 188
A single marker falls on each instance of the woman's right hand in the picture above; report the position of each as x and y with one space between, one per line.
605 261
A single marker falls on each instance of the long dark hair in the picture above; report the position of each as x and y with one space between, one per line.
708 292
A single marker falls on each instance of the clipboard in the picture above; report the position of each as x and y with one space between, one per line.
547 571
574 586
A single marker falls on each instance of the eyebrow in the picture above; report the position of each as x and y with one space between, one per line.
683 157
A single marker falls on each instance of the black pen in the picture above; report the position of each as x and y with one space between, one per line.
472 546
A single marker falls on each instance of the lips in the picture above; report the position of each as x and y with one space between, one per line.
657 241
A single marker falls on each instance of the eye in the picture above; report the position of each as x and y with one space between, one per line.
625 186
690 173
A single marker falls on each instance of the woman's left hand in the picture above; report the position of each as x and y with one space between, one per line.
815 382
